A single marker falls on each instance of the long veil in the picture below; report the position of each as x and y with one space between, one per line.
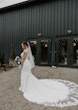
31 57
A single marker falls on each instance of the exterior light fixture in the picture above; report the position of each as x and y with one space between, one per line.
69 31
39 34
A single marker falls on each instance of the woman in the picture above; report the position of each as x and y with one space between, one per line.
52 92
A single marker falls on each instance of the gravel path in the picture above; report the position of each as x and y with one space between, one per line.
12 99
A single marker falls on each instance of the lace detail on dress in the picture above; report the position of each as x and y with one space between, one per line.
72 98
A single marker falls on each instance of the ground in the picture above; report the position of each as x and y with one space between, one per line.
12 99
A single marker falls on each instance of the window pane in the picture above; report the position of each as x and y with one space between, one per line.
75 50
62 51
44 52
33 45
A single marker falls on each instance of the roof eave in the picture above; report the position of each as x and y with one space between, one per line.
17 5
22 4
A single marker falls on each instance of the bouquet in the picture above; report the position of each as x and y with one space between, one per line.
18 61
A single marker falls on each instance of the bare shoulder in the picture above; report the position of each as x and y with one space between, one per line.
26 51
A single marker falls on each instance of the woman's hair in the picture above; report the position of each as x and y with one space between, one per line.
25 43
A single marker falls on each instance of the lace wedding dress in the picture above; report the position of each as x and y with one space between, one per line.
49 92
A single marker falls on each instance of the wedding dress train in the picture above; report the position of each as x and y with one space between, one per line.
49 92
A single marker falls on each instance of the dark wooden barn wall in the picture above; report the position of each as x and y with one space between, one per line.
51 19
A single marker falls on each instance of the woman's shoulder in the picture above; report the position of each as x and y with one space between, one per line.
26 50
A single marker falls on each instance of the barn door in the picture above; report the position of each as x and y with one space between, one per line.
41 50
67 51
44 51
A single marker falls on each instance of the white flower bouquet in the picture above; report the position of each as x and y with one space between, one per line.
18 61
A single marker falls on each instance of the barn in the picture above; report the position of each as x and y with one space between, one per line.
51 28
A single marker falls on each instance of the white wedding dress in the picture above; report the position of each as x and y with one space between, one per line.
49 92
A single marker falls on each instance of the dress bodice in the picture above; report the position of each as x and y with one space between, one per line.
22 54
26 51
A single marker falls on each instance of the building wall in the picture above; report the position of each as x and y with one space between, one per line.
50 18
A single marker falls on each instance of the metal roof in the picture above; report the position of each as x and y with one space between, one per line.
6 3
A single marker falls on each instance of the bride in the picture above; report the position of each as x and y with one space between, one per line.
49 92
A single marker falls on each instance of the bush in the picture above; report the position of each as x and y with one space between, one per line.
12 52
1 59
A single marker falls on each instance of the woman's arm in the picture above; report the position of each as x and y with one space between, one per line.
24 57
